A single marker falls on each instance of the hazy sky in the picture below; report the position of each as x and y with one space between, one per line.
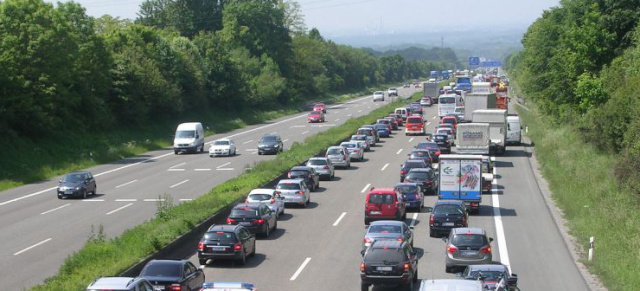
347 17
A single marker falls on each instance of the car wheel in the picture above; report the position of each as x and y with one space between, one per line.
253 251
409 286
367 221
415 276
404 216
282 212
59 197
432 233
243 257
175 152
448 269
95 190
84 194
259 153
202 148
364 287
203 262
267 233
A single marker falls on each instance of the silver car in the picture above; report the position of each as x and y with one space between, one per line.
448 132
467 246
294 191
378 96
387 230
363 139
355 151
338 156
120 283
269 197
323 166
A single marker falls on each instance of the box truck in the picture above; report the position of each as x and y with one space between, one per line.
477 101
461 179
497 120
473 139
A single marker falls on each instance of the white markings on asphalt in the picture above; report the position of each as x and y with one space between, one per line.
33 246
221 166
384 167
246 142
154 200
178 165
225 169
27 196
298 126
118 209
339 218
428 122
305 132
434 117
414 219
186 199
304 264
175 170
93 200
359 110
285 140
202 170
131 165
399 151
57 208
337 119
178 184
126 200
365 188
411 139
349 114
125 184
497 217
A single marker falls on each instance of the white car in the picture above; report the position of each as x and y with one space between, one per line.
294 191
269 197
222 147
356 152
378 96
392 92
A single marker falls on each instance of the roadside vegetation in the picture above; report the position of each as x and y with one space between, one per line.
111 256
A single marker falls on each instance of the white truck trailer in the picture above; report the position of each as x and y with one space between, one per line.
477 101
473 139
497 120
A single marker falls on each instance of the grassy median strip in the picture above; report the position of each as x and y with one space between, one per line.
110 257
581 179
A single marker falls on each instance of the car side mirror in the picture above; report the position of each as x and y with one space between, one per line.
490 239
512 280
362 253
59 181
197 136
411 226
445 239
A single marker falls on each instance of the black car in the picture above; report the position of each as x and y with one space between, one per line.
308 174
226 242
389 263
77 184
421 154
270 144
173 275
447 214
432 147
425 177
443 142
410 164
255 217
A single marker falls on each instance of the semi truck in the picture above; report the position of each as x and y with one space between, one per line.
481 87
477 101
463 83
497 120
461 179
430 90
433 75
445 75
473 139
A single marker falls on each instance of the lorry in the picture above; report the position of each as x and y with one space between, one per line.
481 87
463 83
473 139
433 75
430 90
460 178
445 75
502 101
497 120
477 101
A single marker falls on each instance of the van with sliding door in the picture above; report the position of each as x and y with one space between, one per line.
514 130
189 138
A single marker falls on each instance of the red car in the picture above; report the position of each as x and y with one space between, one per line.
315 116
384 204
450 120
320 107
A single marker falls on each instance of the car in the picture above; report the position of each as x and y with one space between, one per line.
403 112
226 242
447 131
421 154
356 152
410 164
308 174
320 107
222 147
406 85
412 194
459 112
432 147
323 167
382 129
385 122
491 275
339 156
425 177
443 142
467 246
373 130
426 101
384 204
270 143
120 284
315 116
77 184
361 138
369 133
173 275
389 263
393 122
398 117
446 125
189 137
257 218
446 215
269 197
294 191
416 108
387 230
414 125
450 120
228 286
392 92
378 96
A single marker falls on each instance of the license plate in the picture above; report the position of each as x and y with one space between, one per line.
384 268
245 223
217 248
407 204
447 224
375 212
157 288
469 254
68 192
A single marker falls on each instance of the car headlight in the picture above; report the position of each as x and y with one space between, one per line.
79 187
276 146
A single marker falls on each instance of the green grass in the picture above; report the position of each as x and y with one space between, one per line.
583 186
110 257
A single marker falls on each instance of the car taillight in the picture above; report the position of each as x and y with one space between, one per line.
259 221
230 220
273 200
310 176
474 204
325 167
175 287
237 247
277 192
407 266
417 196
429 182
401 172
366 240
400 239
432 220
201 246
438 153
300 193
246 200
362 267
356 151
485 250
289 175
452 249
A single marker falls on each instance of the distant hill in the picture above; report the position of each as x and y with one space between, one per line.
415 53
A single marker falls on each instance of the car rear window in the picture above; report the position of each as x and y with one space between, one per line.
381 126
469 240
418 175
162 270
334 152
381 199
449 120
390 255
223 236
407 189
414 120
316 112
447 209
299 173
244 212
385 229
413 165
440 137
428 145
358 137
317 162
221 142
288 186
259 197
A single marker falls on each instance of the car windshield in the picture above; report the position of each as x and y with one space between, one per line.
447 209
162 270
316 112
381 199
407 189
73 178
244 212
418 176
469 240
334 152
299 173
288 186
381 255
223 236
221 142
487 275
186 134
259 197
385 229
269 138
414 120
317 162
447 100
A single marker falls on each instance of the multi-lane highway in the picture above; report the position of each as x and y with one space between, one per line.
38 231
318 248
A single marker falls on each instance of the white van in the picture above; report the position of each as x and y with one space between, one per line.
189 138
402 112
514 130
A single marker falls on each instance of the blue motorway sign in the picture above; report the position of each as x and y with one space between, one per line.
491 64
474 61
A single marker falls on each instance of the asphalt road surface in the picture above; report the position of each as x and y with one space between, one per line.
38 231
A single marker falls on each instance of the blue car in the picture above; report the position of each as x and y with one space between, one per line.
412 195
382 129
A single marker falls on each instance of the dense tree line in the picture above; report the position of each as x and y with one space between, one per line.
580 64
63 70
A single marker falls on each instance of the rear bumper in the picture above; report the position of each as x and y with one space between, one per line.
235 255
451 262
385 280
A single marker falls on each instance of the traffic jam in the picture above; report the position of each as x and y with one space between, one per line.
453 161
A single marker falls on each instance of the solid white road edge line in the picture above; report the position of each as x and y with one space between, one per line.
221 166
285 140
33 246
126 200
337 119
497 217
125 184
384 167
225 169
305 132
414 219
399 151
178 184
359 110
131 165
52 210
186 199
154 200
118 209
365 188
304 264
339 218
